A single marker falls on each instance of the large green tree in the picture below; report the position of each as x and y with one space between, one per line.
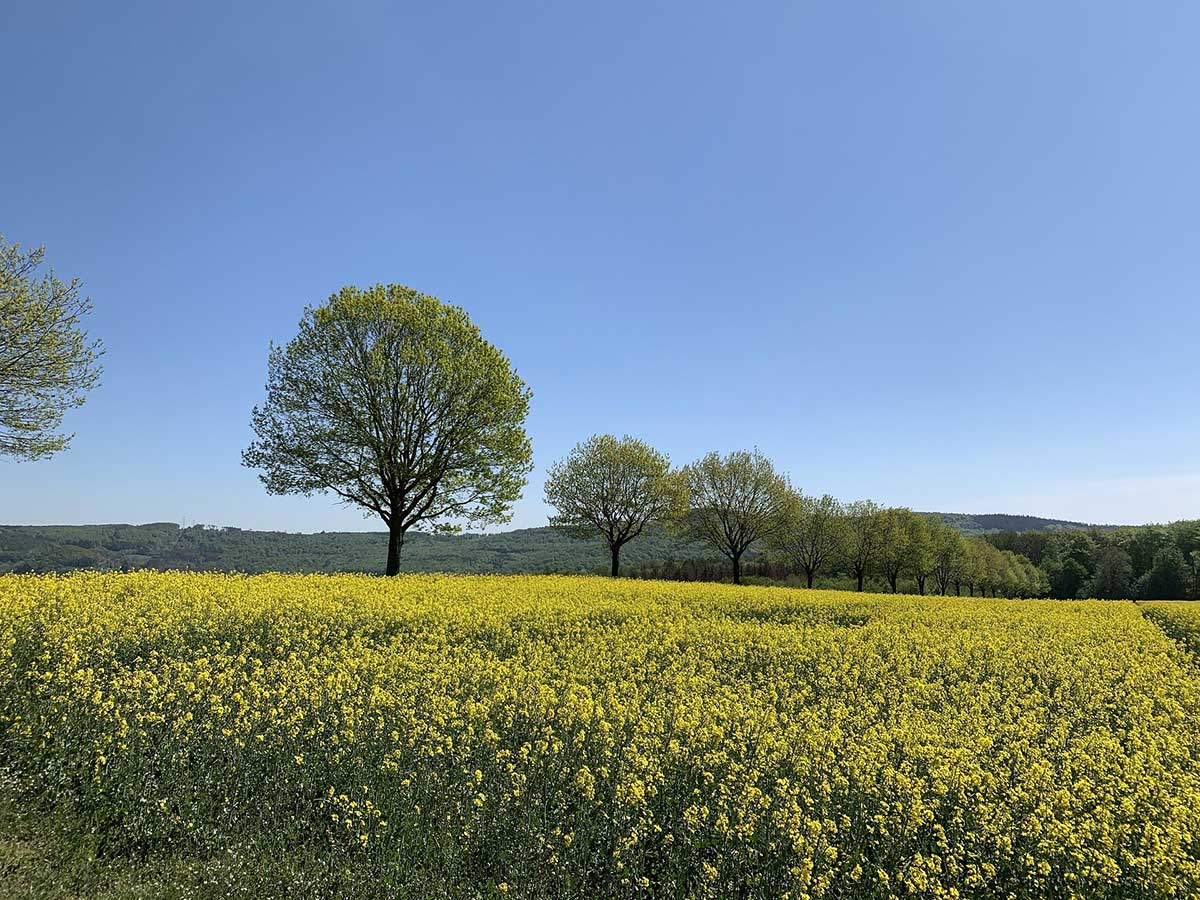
47 362
393 401
736 501
615 488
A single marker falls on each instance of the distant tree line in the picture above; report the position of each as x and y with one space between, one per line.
1159 562
47 548
742 507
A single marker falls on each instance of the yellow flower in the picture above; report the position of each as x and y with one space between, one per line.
810 744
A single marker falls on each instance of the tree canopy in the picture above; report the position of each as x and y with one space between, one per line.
47 361
897 544
736 501
810 533
614 487
862 535
394 402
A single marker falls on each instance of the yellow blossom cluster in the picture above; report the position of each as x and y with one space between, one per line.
1178 618
579 737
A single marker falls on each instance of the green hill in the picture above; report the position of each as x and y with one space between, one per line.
164 545
62 548
972 524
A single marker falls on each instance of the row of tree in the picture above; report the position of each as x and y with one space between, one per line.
819 535
394 402
738 504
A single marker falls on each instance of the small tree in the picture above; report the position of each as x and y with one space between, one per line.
47 362
1035 581
862 535
1068 578
974 566
920 558
810 534
614 487
895 544
393 401
1167 578
1114 575
948 552
997 573
736 501
1186 535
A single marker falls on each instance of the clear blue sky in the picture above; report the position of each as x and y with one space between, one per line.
944 255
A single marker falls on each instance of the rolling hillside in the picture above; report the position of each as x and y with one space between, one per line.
990 523
164 545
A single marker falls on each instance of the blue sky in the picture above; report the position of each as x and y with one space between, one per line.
940 254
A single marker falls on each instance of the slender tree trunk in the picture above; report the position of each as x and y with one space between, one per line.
808 574
957 589
860 573
395 545
616 560
737 568
921 585
892 579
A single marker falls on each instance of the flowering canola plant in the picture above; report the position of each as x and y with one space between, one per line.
579 737
1178 618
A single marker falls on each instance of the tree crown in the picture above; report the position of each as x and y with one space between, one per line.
393 401
736 500
614 486
47 362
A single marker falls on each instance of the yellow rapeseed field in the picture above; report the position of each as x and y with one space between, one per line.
1178 618
583 737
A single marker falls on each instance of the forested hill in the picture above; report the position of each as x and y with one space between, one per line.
990 523
164 545
62 548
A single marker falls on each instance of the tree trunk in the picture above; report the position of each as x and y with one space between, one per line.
395 545
892 579
859 574
616 559
921 585
808 574
737 568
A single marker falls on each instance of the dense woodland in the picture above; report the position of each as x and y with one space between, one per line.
1158 562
